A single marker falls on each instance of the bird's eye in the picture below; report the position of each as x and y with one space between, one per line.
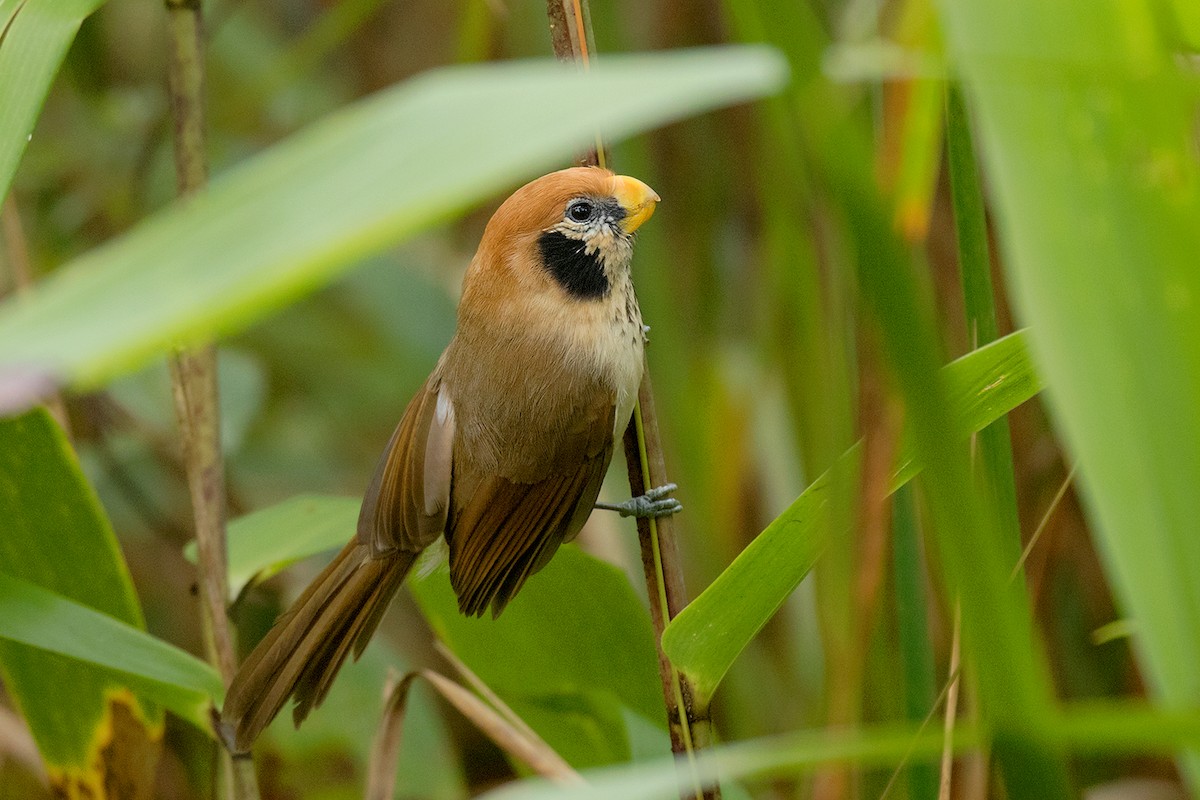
580 210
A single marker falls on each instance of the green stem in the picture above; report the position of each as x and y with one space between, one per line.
970 222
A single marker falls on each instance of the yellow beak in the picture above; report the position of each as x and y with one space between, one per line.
636 198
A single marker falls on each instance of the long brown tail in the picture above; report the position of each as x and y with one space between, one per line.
301 655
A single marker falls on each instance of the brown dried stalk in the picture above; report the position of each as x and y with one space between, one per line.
690 725
194 377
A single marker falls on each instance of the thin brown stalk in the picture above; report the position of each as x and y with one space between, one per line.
1041 526
690 724
497 721
485 691
194 377
867 556
951 710
385 749
536 754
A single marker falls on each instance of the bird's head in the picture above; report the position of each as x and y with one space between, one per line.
568 232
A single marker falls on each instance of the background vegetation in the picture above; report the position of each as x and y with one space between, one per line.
819 256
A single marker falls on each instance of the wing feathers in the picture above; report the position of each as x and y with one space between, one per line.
506 531
405 506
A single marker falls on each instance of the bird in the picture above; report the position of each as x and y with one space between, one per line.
501 452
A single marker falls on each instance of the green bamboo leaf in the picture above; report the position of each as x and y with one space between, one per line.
264 542
762 758
57 537
160 671
291 219
34 37
981 388
709 634
1088 131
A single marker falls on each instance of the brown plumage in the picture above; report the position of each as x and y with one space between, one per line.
502 450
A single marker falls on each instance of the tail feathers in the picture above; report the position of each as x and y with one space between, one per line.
301 655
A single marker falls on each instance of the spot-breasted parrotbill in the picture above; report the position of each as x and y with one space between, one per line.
504 448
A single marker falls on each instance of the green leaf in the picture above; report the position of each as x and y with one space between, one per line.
53 526
64 589
291 219
266 541
160 671
1009 668
1087 127
1099 729
570 653
981 388
994 443
709 634
34 37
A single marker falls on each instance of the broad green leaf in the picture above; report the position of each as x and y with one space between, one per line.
706 637
161 672
34 37
56 537
264 542
570 653
1087 126
290 219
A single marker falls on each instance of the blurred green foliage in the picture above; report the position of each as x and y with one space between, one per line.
802 282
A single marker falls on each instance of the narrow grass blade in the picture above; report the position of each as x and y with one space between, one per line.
708 635
975 266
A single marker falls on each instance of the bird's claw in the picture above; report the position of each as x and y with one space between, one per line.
654 503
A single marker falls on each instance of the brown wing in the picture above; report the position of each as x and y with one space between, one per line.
406 504
501 531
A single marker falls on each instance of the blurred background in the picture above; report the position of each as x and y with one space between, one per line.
765 368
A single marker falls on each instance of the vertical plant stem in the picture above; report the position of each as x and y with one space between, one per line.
194 378
690 726
916 656
970 222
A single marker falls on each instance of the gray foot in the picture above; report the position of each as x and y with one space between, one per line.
654 503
